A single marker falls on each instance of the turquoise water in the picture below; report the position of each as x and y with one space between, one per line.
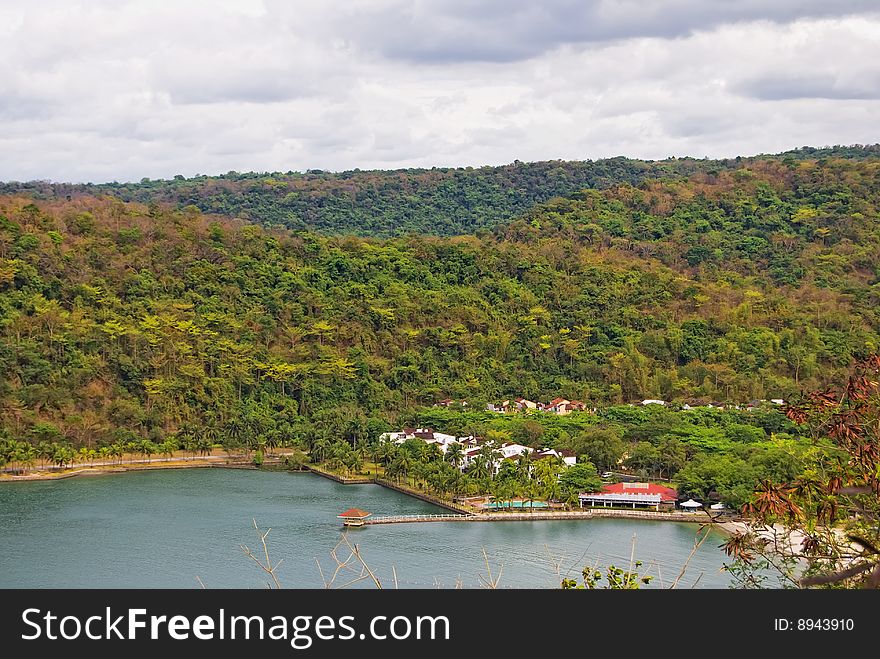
166 528
516 504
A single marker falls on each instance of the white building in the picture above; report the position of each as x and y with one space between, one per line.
427 435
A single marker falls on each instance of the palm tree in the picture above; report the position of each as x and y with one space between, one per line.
570 497
479 469
272 440
320 449
26 455
392 471
432 453
352 461
234 429
406 463
131 448
401 466
167 448
387 452
376 455
62 455
44 451
148 448
186 438
210 436
361 450
117 450
523 465
501 492
204 445
532 491
454 455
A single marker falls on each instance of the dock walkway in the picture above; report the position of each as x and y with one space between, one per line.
542 516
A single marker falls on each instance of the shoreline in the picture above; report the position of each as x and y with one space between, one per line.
728 527
100 469
469 514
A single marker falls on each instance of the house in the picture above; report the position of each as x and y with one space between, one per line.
427 435
630 495
567 457
577 406
653 401
468 441
558 406
524 404
446 402
507 451
512 450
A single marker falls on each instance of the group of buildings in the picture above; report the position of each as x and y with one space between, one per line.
472 447
560 406
563 406
613 495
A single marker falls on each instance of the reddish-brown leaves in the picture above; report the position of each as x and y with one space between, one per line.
775 501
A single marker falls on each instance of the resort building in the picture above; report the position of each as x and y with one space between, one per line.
427 435
472 447
630 495
568 457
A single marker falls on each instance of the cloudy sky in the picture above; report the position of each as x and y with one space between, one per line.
121 90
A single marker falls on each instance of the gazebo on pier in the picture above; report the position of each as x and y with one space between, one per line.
354 517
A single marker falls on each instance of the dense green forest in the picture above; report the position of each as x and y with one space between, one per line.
439 201
122 321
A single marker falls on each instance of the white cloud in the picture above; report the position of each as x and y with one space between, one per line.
118 91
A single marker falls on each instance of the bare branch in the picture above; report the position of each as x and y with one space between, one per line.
823 579
698 542
266 567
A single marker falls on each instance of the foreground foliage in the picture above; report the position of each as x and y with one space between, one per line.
828 517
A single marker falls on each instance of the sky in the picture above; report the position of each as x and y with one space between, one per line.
124 90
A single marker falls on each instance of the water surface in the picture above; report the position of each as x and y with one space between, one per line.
158 528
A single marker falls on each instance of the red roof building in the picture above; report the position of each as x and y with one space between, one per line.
666 493
630 495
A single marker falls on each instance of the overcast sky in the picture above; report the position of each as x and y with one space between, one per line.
102 91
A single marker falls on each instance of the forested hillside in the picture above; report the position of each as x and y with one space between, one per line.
440 201
122 319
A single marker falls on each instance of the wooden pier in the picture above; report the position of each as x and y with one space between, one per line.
404 519
694 518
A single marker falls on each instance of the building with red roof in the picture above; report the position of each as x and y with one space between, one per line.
630 495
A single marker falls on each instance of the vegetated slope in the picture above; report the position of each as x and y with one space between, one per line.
122 319
439 201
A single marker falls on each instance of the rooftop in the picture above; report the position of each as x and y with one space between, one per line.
354 513
666 493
